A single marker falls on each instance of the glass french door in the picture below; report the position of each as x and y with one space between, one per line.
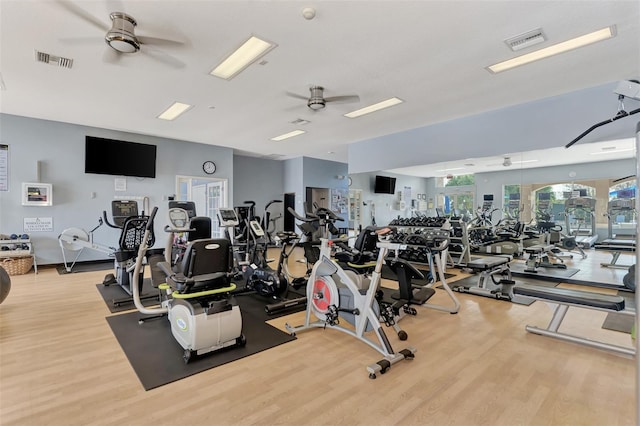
208 194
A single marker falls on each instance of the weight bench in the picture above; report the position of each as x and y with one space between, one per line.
566 298
487 267
540 255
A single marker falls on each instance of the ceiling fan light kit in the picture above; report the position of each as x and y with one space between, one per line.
316 100
121 36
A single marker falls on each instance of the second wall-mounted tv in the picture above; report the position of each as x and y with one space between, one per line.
385 185
120 158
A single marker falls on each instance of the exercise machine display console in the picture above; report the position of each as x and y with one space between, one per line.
256 228
179 219
228 217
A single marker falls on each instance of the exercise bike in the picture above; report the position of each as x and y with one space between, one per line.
197 297
334 293
313 226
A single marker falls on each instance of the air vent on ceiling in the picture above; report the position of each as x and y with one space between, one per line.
527 39
53 60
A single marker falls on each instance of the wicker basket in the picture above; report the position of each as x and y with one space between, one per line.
17 265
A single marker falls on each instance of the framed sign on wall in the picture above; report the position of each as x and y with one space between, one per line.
37 194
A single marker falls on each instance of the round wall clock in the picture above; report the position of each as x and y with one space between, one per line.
209 167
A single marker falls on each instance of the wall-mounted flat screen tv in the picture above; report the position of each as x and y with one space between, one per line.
385 185
120 158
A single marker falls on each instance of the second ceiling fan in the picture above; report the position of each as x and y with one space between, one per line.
317 101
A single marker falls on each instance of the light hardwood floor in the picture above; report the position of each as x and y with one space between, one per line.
61 365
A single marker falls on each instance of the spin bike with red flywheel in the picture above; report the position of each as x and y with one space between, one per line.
334 294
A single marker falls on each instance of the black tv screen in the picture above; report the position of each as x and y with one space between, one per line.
120 158
385 185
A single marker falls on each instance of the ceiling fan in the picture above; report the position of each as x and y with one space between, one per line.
317 101
506 162
121 37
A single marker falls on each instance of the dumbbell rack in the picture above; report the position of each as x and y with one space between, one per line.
432 241
18 252
414 252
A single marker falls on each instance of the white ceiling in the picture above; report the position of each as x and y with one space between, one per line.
431 54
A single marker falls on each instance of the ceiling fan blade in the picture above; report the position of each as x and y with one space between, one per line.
81 40
84 15
159 41
344 99
163 57
111 56
295 95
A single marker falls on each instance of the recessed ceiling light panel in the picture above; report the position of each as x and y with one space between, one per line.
555 49
288 135
174 111
373 108
250 51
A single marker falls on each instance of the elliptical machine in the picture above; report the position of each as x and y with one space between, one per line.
197 298
259 277
132 225
267 220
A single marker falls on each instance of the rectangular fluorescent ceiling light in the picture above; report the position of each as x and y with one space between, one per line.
174 111
288 135
523 161
612 151
565 46
250 51
450 170
373 108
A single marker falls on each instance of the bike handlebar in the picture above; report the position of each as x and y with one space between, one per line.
152 216
301 218
312 217
106 220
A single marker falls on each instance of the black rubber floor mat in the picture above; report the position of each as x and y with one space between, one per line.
156 357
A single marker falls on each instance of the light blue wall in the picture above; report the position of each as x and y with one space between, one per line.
546 123
325 174
59 147
260 180
385 206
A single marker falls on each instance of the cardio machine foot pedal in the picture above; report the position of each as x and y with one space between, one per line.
109 279
408 353
419 297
